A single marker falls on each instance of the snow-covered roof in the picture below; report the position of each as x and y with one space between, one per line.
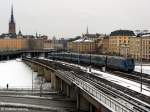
83 40
147 35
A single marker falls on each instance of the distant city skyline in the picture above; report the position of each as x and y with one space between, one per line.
69 18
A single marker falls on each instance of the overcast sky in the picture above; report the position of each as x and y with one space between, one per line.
68 18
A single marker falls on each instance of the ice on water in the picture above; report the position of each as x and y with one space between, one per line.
16 74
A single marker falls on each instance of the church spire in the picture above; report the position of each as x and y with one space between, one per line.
12 25
87 30
12 15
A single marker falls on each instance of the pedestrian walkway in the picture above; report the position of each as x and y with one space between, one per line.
28 101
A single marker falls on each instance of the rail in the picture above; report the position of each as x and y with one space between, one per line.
106 100
114 104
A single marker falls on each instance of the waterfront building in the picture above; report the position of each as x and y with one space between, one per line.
13 41
85 44
13 44
140 47
119 42
103 45
59 44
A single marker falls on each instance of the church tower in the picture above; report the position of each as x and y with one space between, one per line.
12 25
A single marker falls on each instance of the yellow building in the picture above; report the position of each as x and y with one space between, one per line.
140 47
146 47
48 44
135 46
24 44
82 45
103 45
13 44
119 42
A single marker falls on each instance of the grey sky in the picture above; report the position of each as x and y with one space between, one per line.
68 18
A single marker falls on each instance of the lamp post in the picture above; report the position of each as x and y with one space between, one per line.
90 53
32 80
119 48
141 60
78 52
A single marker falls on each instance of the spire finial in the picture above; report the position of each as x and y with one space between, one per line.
12 14
87 30
12 9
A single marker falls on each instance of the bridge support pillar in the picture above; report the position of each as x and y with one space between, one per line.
54 81
82 104
67 90
8 57
47 75
72 92
34 67
40 71
53 78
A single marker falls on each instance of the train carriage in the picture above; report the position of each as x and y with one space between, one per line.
111 62
98 60
75 57
85 58
120 63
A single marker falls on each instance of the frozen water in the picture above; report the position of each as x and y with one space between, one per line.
16 74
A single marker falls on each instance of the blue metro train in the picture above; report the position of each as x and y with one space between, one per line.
111 62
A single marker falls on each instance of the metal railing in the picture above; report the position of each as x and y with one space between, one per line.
112 103
109 102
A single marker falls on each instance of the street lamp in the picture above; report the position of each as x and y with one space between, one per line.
78 52
90 53
32 80
141 59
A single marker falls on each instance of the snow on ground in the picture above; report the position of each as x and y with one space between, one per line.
116 79
145 69
124 82
16 74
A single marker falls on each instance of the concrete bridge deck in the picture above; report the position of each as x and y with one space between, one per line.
88 93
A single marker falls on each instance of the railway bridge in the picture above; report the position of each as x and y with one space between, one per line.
91 94
10 54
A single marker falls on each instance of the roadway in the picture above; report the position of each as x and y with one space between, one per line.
53 102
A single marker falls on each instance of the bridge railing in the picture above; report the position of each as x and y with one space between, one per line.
101 97
112 103
106 100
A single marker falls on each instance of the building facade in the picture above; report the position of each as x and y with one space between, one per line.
48 44
119 42
135 47
140 47
88 43
14 44
82 46
104 45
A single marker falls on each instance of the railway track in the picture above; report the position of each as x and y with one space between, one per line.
96 79
134 76
113 92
